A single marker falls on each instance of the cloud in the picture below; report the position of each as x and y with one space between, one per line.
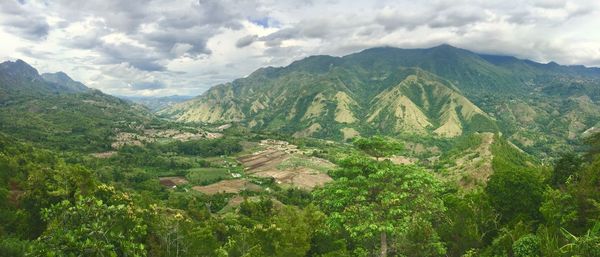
147 85
30 52
186 46
245 41
19 21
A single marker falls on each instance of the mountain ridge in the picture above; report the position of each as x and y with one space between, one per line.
303 98
53 109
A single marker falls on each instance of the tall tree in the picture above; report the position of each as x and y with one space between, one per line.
379 201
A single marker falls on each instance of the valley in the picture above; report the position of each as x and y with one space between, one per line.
415 149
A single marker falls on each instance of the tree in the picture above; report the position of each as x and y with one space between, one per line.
559 209
378 201
593 145
526 246
471 222
586 193
566 167
378 146
91 226
515 194
287 233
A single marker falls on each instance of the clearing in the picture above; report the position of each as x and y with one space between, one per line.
172 181
287 165
232 186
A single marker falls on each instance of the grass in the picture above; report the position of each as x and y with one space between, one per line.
205 176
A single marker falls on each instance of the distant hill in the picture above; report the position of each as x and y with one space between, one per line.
55 110
19 79
441 91
156 103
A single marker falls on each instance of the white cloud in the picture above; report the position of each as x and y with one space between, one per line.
162 47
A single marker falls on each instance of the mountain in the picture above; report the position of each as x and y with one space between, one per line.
410 100
19 79
54 110
441 91
63 80
156 103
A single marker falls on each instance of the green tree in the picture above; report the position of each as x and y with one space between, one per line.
91 226
527 246
586 192
566 167
287 233
516 193
471 222
559 209
378 146
379 201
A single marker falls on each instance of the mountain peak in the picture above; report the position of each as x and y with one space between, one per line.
18 67
445 46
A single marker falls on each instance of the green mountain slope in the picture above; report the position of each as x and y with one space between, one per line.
442 91
338 103
54 110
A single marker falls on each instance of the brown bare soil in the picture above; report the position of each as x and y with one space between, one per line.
286 165
15 194
402 160
303 178
172 181
233 186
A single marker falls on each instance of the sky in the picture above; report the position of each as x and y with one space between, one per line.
183 47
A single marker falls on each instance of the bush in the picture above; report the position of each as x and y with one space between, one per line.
527 246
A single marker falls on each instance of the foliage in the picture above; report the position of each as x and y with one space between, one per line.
515 194
93 227
373 199
471 222
378 146
565 168
206 148
527 246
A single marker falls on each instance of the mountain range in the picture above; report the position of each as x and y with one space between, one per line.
443 92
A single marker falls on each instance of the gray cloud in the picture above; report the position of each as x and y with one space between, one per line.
31 52
176 32
19 21
456 19
147 85
397 19
140 58
245 41
186 46
29 29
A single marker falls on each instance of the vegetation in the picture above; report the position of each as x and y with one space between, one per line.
441 91
60 197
